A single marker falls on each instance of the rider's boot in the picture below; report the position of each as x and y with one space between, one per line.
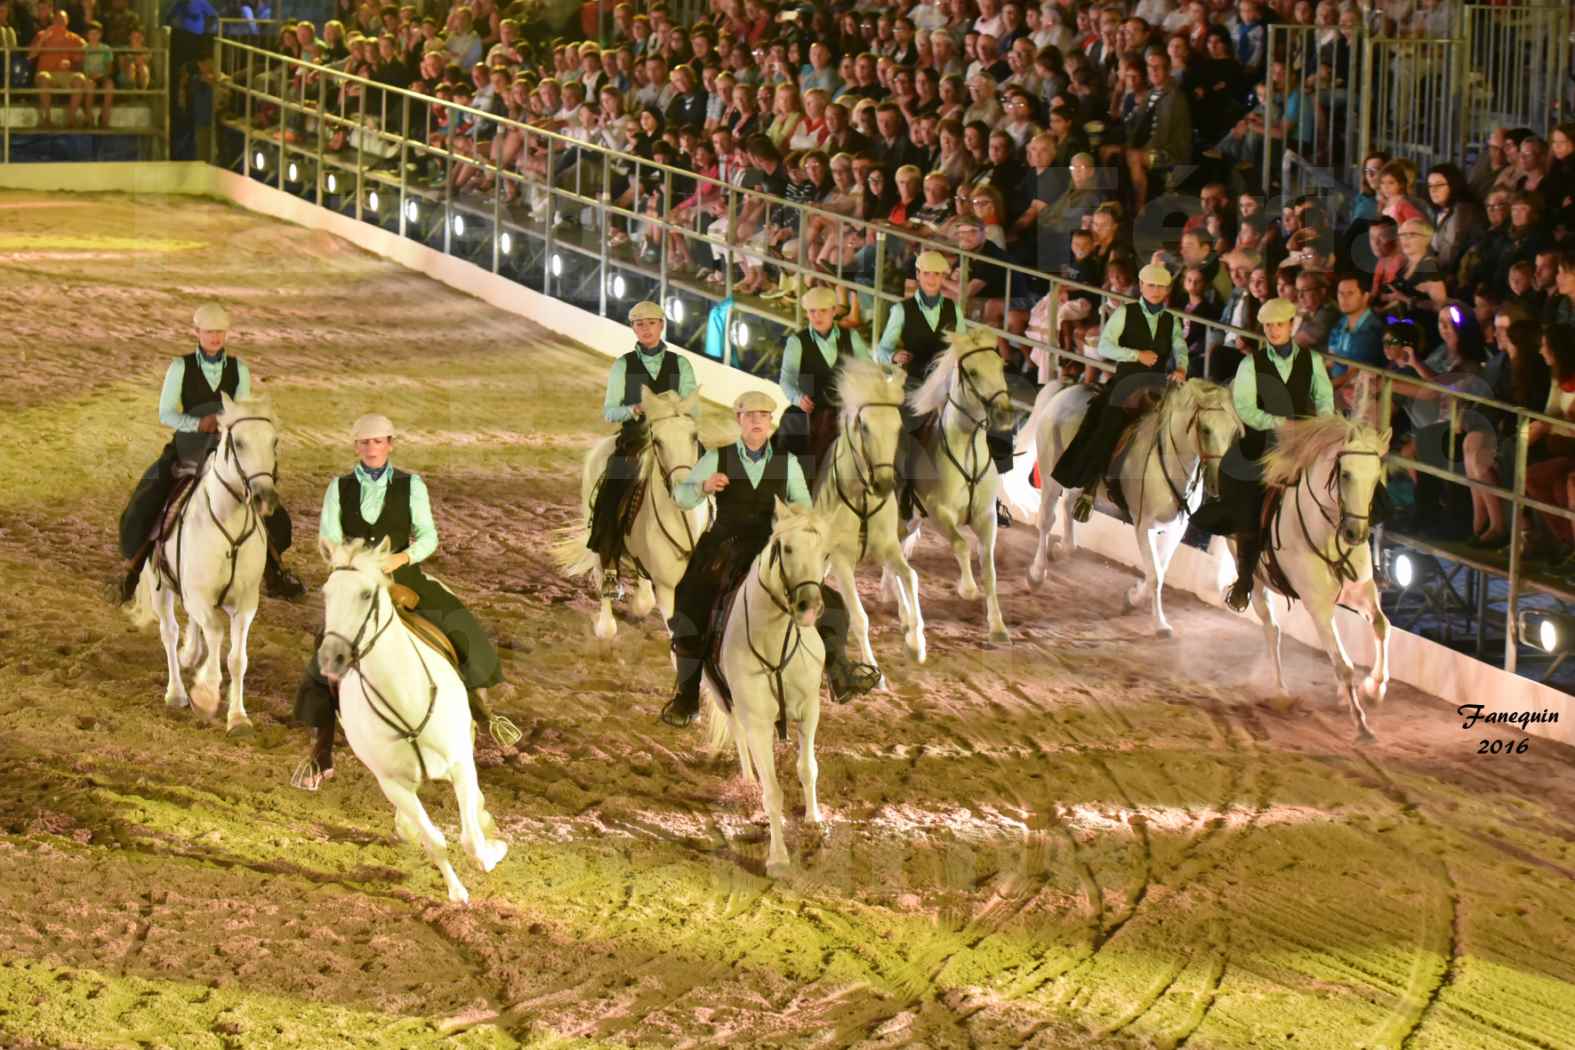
1003 517
612 589
279 582
1248 549
1083 507
318 767
684 707
848 679
126 587
500 727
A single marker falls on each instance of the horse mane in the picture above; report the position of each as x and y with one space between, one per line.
1303 442
793 518
261 405
1178 397
932 393
866 383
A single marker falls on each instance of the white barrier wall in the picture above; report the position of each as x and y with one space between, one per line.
1454 677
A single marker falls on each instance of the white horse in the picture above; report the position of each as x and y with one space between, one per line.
958 483
1328 469
663 535
403 707
212 560
773 660
857 494
1179 445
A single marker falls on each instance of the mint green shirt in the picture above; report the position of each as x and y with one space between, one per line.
423 531
689 493
891 338
1244 389
793 357
613 408
170 413
1110 347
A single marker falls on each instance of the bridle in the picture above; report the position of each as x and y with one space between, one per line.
685 550
864 512
979 424
1340 565
1183 497
792 638
386 713
243 498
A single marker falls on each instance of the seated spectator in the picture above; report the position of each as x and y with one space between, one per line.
1458 220
98 75
57 55
1518 375
1550 479
1358 336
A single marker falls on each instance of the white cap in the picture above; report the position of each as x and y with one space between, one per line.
932 262
821 298
646 311
372 425
211 317
754 401
1154 273
1277 311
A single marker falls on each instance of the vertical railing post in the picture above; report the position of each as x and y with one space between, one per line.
1516 510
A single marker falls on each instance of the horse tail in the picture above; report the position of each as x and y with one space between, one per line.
719 734
140 609
572 553
1026 437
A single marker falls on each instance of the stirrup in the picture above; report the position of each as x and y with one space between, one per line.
612 587
1238 597
309 776
1083 507
672 716
503 730
852 680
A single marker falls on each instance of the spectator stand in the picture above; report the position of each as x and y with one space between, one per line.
138 127
554 227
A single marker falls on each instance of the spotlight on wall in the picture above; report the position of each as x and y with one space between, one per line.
617 286
741 334
372 200
506 243
259 161
1552 632
412 211
556 265
459 226
675 309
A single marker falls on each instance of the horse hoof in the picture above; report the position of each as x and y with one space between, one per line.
1365 737
177 702
1282 704
459 895
778 869
1164 632
492 854
968 594
240 727
1374 690
606 627
998 636
1036 576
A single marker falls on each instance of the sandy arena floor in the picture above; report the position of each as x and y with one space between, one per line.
1090 838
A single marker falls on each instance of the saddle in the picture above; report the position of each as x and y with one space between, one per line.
180 494
923 433
1271 557
1135 408
406 601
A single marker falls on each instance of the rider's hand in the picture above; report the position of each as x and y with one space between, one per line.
395 561
637 411
715 483
1148 358
901 358
209 424
806 402
1178 376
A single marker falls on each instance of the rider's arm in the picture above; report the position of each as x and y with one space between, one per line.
687 384
792 358
328 525
860 351
688 493
1244 391
797 490
613 408
1322 389
1178 344
892 336
169 399
243 382
423 530
1110 347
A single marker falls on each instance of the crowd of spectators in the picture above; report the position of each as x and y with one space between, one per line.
79 51
1041 136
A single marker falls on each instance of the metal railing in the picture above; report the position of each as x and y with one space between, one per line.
15 100
398 168
1516 64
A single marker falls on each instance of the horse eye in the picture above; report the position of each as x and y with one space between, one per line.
787 550
366 596
240 445
1345 475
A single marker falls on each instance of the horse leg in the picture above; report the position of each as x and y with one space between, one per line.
757 733
858 619
191 651
1145 546
205 686
169 634
606 626
1376 685
1271 634
808 769
472 813
1321 609
240 629
644 598
664 602
411 818
1045 548
984 528
907 584
1165 541
951 528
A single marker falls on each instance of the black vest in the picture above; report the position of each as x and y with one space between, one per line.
197 398
922 343
636 377
744 509
1291 397
815 377
1135 334
394 520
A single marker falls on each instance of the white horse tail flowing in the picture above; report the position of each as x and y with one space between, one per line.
1026 437
141 610
572 554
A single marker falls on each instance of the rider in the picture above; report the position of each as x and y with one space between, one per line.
811 360
189 404
649 364
915 335
746 478
373 502
1279 382
1147 342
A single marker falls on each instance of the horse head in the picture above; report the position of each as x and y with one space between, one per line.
248 451
796 560
1205 415
1356 472
979 380
672 423
871 397
353 607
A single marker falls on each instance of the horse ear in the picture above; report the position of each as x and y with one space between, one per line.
226 403
688 405
780 510
327 548
383 548
1383 439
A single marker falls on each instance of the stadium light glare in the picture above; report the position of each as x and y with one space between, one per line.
371 200
741 334
506 243
412 211
293 172
459 226
675 309
557 265
332 182
259 161
617 286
